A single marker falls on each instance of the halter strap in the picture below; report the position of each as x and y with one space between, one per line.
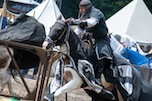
67 33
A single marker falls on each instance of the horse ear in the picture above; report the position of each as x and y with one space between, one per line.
59 17
109 34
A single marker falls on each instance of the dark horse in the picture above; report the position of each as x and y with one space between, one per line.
61 33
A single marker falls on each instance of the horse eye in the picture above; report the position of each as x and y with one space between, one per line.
60 29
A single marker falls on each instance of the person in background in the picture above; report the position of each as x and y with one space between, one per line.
130 43
149 48
33 76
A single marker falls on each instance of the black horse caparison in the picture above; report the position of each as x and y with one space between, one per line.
61 32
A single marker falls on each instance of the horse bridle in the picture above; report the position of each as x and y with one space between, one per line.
66 30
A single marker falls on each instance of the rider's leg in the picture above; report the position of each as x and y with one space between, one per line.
94 86
102 64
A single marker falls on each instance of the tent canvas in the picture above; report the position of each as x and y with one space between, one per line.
134 20
46 13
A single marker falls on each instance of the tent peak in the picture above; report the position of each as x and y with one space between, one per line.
134 20
46 13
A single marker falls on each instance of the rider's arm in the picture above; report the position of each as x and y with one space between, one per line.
88 23
91 22
78 30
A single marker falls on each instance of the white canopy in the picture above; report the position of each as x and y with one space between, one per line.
135 20
46 13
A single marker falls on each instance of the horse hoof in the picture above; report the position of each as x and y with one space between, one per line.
49 97
46 99
107 94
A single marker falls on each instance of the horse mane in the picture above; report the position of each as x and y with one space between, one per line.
78 48
72 33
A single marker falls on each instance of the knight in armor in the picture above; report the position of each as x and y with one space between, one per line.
92 20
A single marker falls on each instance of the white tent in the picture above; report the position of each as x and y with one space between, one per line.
135 20
46 13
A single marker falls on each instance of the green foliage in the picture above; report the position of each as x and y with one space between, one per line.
149 4
70 8
109 7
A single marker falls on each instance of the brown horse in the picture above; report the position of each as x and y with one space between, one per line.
24 60
5 60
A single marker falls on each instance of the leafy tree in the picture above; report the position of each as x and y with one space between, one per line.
149 4
70 8
109 7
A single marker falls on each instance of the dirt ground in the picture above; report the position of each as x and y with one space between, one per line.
19 89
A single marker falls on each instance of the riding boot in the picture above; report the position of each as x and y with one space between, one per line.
101 65
99 70
98 88
101 91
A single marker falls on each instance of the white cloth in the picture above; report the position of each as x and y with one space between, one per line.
78 31
115 45
91 22
45 44
129 42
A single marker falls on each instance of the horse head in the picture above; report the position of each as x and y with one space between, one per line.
58 32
